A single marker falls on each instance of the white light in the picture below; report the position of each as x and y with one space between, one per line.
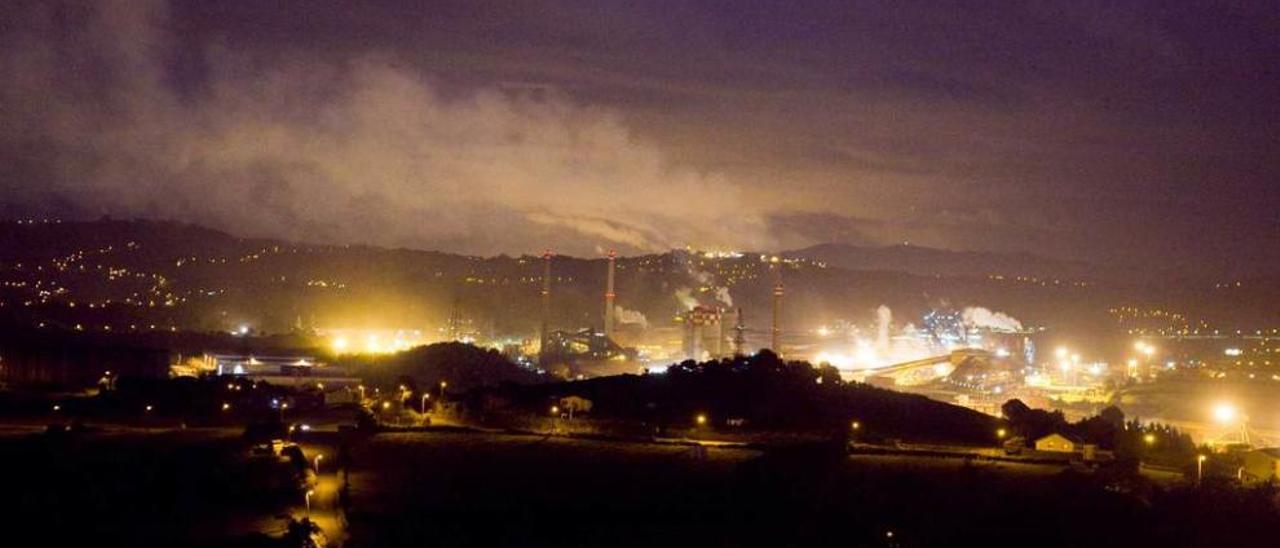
1225 413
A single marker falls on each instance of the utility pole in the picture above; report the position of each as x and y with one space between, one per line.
739 335
776 343
543 334
609 296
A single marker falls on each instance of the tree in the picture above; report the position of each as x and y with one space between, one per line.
1014 410
1112 415
575 405
303 533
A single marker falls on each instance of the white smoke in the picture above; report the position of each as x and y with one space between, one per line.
884 319
633 317
723 296
976 316
685 296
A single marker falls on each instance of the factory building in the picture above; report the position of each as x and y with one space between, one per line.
706 333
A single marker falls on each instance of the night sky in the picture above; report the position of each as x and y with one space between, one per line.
1124 132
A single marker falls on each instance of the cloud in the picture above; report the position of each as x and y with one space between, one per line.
354 150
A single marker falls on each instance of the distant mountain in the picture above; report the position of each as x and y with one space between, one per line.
926 261
144 276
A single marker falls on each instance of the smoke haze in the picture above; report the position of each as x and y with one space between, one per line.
358 151
1106 133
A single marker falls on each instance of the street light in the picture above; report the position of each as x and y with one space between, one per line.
1000 433
555 410
308 498
318 457
855 425
701 419
1150 439
443 385
425 396
226 406
1200 467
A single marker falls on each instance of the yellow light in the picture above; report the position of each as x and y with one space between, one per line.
1201 458
340 345
1000 433
855 425
1225 413
226 406
386 405
1149 438
555 410
1061 352
373 346
701 419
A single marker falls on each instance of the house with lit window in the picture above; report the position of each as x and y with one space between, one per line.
1058 443
1260 465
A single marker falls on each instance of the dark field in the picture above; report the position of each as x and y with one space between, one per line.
466 489
476 489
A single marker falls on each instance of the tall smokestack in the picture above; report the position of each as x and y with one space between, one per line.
721 319
739 335
609 296
546 306
776 344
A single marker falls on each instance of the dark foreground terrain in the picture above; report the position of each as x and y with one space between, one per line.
478 489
